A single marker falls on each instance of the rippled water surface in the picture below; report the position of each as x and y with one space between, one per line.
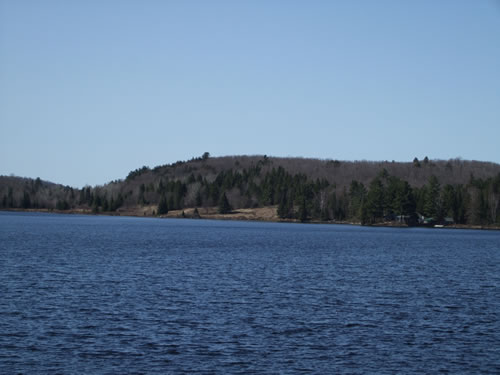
107 295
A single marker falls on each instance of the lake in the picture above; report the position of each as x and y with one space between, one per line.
113 295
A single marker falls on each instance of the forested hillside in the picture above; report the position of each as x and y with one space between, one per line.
434 191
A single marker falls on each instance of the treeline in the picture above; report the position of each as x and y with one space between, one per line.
385 198
31 193
23 193
300 189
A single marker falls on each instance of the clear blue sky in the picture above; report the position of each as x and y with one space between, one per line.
90 90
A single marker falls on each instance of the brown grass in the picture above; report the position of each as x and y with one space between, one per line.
260 214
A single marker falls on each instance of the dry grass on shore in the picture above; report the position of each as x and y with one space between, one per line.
259 213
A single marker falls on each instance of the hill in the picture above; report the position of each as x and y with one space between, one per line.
465 192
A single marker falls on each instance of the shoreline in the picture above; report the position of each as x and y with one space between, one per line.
260 214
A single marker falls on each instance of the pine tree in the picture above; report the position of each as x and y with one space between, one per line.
163 206
357 193
285 206
432 198
62 205
81 199
11 202
403 202
374 202
364 215
196 213
26 203
303 212
198 199
224 206
105 204
449 201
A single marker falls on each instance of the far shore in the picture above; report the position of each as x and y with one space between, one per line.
263 214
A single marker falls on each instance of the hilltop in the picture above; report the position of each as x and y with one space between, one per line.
461 191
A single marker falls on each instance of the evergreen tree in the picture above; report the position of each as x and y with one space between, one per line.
196 213
171 203
404 201
198 199
214 192
224 206
26 203
462 201
342 205
374 203
161 187
285 207
364 215
62 205
449 200
481 209
163 206
88 196
495 199
267 193
141 199
11 203
38 184
105 204
357 194
81 199
119 201
303 211
97 200
332 205
432 198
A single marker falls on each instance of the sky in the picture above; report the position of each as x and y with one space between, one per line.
90 90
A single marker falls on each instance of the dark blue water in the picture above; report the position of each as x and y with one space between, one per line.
109 295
